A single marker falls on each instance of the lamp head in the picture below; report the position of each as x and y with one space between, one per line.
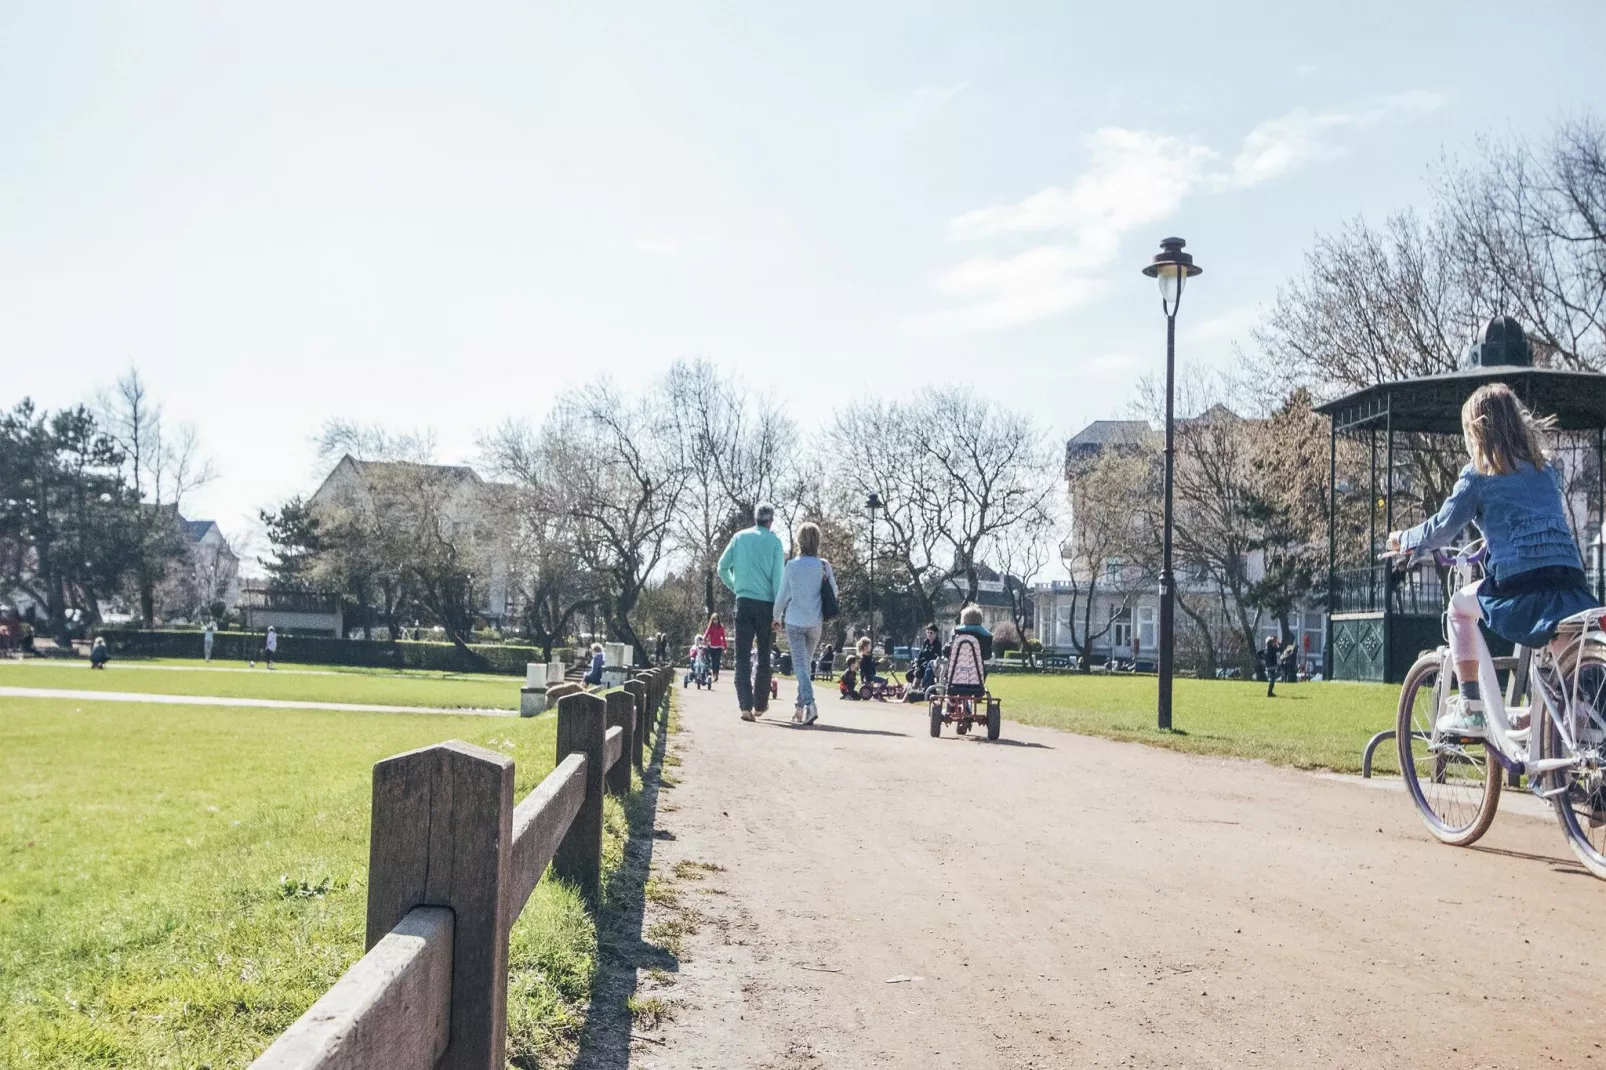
1172 268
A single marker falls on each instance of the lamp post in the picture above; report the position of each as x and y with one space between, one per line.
1173 268
872 503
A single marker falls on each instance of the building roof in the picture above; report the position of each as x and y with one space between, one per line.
460 473
1101 433
197 529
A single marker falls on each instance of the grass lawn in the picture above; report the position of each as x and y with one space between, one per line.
385 687
177 884
1309 726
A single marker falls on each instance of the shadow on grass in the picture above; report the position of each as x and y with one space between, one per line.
622 948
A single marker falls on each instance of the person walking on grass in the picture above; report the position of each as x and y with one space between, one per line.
800 609
208 636
270 648
1268 658
753 566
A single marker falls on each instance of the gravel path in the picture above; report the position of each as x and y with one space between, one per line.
891 900
212 700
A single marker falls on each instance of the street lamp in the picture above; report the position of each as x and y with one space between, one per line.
1173 268
872 503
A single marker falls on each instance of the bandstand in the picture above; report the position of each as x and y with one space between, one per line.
1394 453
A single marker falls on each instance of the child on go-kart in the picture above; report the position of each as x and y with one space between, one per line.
1535 576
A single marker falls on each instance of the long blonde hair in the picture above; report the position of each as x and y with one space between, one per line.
1501 433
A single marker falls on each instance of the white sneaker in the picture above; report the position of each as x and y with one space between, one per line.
811 714
1461 719
797 715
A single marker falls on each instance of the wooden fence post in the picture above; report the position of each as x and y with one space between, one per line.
621 712
582 729
441 836
638 695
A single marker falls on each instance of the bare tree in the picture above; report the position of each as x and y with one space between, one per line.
161 465
611 471
1371 306
917 500
1021 553
553 583
1109 543
997 466
733 450
952 473
1529 226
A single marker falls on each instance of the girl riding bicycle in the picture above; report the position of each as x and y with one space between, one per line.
1535 576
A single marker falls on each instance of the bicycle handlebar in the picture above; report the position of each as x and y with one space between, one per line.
1466 555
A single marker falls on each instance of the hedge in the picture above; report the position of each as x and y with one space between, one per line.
325 650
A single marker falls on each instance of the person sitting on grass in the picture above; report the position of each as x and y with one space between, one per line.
594 676
98 654
866 663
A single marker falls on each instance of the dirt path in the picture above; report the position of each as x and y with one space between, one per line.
1059 901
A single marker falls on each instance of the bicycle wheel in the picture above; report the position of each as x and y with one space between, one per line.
1580 801
1454 785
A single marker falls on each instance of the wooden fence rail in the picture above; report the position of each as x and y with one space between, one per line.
451 863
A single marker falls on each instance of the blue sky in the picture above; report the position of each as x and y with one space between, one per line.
445 215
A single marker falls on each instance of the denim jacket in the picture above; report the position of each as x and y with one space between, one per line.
1521 516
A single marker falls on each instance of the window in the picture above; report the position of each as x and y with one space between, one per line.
1112 568
1146 627
1120 631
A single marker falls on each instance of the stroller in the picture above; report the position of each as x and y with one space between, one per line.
698 672
960 696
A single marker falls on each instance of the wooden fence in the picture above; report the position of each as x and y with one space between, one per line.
451 863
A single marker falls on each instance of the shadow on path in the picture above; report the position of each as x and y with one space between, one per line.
1556 863
821 726
622 949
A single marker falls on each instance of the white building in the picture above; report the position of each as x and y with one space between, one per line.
468 510
1125 612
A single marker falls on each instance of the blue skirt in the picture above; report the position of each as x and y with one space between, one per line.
1528 607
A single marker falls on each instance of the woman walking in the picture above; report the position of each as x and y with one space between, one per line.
714 640
800 608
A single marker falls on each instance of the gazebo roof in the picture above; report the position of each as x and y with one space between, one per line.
1432 403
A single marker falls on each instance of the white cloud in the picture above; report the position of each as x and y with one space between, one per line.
1279 145
1134 178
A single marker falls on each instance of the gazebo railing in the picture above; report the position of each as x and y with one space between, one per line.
1415 593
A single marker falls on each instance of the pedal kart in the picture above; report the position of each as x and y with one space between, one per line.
960 696
963 711
882 691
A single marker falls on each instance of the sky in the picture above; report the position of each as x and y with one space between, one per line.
444 216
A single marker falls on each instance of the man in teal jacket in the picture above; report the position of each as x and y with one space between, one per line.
752 566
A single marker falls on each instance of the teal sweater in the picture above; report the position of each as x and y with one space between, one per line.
753 564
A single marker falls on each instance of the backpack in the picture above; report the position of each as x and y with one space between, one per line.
964 663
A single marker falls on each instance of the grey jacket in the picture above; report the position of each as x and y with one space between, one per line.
798 604
1521 516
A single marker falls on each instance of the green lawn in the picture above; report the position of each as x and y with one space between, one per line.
177 884
379 687
1309 726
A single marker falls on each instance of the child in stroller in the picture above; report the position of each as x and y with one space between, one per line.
699 670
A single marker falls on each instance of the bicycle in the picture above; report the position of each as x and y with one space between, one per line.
1455 781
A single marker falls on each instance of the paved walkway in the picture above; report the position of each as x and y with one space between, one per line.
892 900
262 703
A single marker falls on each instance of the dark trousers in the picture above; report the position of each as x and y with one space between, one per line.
755 624
1271 680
